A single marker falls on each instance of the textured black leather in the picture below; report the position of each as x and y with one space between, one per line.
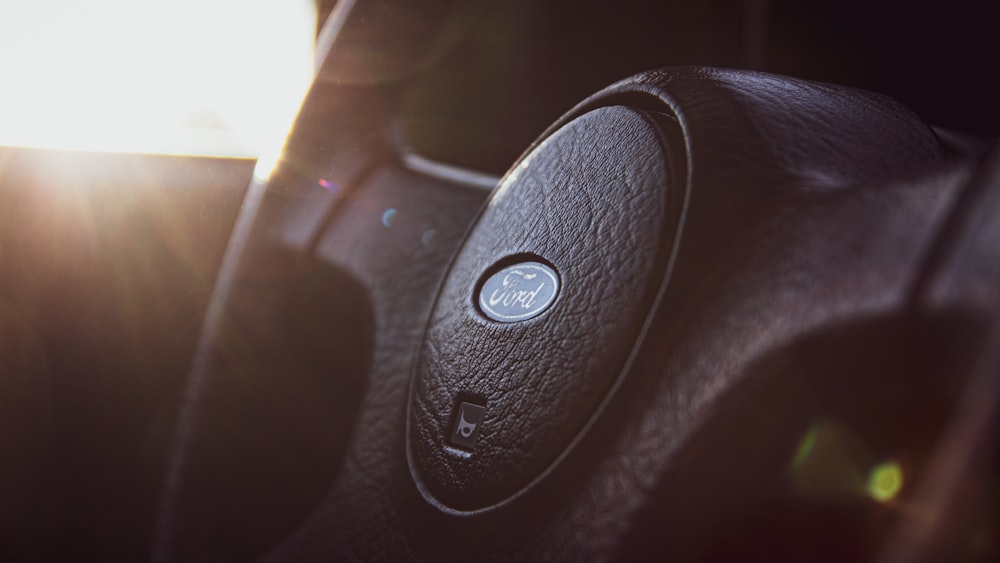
595 201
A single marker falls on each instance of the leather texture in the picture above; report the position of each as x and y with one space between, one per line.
595 201
808 205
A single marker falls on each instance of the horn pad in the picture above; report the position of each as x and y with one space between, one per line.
542 309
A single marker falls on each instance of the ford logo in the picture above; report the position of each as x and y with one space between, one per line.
519 292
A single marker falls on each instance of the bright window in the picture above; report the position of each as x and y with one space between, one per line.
209 77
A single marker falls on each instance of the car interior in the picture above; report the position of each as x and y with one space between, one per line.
528 281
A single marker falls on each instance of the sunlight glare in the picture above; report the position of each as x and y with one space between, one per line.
212 77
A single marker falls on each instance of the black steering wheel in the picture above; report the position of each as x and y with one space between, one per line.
709 315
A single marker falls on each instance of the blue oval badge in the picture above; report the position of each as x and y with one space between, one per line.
519 292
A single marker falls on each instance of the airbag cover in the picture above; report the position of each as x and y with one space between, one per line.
590 203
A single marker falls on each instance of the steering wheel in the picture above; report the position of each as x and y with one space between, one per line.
708 315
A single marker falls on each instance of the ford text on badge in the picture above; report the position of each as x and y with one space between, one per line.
519 292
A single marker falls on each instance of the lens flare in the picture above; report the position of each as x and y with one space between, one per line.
388 217
832 462
885 480
805 447
829 463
